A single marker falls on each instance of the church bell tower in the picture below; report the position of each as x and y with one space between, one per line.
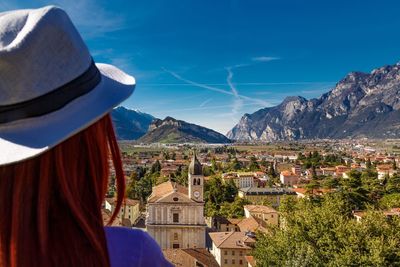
196 180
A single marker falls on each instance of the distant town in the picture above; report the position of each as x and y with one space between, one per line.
220 205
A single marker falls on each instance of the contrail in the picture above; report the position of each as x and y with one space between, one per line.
216 89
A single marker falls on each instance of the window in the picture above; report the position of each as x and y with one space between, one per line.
226 261
227 229
175 217
175 245
233 262
240 253
225 252
233 253
240 262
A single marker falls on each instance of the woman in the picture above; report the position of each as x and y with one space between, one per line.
56 142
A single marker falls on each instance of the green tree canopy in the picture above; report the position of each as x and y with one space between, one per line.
326 234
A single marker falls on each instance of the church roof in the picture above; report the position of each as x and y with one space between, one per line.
161 190
195 167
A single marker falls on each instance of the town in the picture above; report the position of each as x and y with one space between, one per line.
211 205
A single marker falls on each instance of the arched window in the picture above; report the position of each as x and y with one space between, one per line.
194 181
198 181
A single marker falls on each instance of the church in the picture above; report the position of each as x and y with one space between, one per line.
175 213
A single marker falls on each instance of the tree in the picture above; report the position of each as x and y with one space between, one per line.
310 187
140 189
271 171
233 209
254 164
181 176
390 201
326 234
353 191
235 165
207 171
393 184
218 195
156 167
330 183
368 164
130 188
230 190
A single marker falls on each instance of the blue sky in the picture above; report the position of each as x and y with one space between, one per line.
209 62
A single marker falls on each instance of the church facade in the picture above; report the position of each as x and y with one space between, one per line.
175 214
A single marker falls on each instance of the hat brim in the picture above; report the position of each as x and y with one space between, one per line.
27 138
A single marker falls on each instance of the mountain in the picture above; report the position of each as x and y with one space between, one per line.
130 124
360 105
171 130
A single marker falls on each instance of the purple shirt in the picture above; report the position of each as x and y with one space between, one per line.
133 248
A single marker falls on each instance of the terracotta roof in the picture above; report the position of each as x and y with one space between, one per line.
260 209
231 240
384 167
266 191
179 257
224 220
249 224
287 173
128 201
165 188
131 202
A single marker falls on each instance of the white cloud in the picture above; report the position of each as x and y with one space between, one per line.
264 59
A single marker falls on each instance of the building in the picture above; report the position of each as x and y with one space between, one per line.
358 215
251 224
230 248
328 171
385 170
266 214
190 257
175 214
241 179
341 169
222 224
303 192
129 213
296 170
262 195
289 178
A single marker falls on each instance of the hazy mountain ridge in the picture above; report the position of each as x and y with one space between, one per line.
360 105
171 130
130 124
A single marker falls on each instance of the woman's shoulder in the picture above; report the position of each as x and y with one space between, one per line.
133 247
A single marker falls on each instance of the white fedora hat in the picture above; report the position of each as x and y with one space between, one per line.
50 87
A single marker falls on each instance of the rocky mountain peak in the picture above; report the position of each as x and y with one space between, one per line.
360 105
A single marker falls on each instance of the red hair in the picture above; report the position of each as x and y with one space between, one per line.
50 211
